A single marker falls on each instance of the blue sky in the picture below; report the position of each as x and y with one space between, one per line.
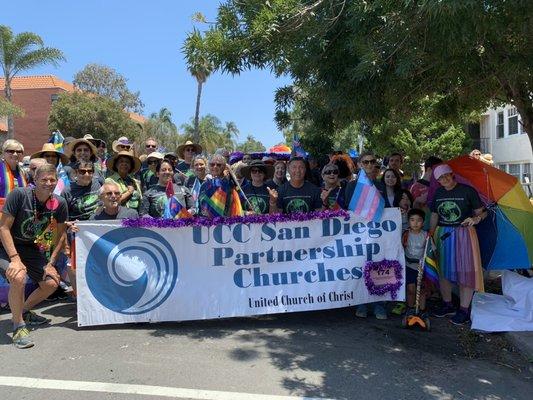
142 41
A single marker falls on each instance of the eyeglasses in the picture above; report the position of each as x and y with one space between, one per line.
150 146
152 162
10 151
112 193
331 172
366 162
85 171
216 164
256 171
124 146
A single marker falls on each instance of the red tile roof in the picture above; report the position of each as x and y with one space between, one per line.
3 127
137 118
37 82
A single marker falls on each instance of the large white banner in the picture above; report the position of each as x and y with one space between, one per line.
177 274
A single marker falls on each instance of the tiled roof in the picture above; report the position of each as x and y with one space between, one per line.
137 118
37 82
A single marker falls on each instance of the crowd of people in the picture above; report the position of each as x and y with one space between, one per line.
44 196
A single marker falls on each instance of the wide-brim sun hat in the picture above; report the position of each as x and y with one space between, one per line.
123 141
69 150
181 148
135 160
246 171
442 169
155 154
50 148
95 141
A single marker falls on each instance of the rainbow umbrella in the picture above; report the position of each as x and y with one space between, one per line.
506 236
280 148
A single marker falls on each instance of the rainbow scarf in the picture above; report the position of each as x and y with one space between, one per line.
10 181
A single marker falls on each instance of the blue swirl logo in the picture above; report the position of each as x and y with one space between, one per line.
131 270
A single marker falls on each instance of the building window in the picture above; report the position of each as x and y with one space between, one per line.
512 121
503 167
54 97
499 125
526 172
514 170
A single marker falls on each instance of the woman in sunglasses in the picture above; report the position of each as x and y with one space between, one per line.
257 172
332 193
82 193
11 174
149 176
210 204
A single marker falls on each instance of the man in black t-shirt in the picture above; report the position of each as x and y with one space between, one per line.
297 195
31 224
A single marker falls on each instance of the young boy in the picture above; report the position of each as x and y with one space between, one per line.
414 242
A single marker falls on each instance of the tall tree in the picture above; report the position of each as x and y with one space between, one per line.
365 60
77 114
7 108
200 67
161 127
20 53
250 145
213 134
107 82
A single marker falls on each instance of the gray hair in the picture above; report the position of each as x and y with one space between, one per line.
12 143
108 183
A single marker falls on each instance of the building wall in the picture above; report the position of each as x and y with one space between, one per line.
511 151
32 129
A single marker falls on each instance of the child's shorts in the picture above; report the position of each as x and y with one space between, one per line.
410 276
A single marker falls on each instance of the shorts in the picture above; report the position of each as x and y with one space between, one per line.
31 257
410 276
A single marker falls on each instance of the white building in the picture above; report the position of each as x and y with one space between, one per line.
502 135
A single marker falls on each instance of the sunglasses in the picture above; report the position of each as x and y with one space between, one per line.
150 146
366 162
10 151
85 171
216 164
152 162
189 149
256 171
331 172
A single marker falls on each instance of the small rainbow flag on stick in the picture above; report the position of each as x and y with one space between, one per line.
173 208
431 271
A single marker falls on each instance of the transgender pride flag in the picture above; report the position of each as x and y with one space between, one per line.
366 200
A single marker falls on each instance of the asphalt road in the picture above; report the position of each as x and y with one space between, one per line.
318 355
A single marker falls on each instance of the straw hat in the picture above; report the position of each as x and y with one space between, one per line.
267 169
50 148
154 154
69 150
135 161
124 141
188 143
96 142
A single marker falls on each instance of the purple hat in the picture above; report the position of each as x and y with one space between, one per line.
442 169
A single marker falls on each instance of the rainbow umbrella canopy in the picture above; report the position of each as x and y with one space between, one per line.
506 236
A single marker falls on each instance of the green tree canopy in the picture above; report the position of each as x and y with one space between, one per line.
367 60
20 53
105 81
8 108
77 114
161 127
213 134
250 145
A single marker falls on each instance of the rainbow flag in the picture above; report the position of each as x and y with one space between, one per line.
366 200
173 208
235 208
431 270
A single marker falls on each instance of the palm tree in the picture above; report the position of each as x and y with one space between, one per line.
22 52
200 67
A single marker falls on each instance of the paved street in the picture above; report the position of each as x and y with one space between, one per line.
314 355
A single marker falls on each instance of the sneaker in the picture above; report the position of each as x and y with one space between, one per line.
460 318
399 308
361 311
33 319
444 310
22 338
380 312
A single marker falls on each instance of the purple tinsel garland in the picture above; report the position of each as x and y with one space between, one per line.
380 290
148 222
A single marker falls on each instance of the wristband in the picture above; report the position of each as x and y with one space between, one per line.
13 255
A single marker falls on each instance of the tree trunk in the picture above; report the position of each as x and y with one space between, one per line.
10 119
197 114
